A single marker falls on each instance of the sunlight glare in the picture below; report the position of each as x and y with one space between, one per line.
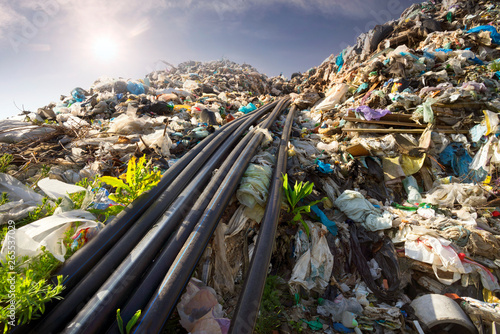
105 49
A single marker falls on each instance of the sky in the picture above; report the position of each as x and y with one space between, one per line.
49 47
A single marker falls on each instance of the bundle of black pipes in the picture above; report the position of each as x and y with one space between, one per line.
122 239
98 312
247 309
168 292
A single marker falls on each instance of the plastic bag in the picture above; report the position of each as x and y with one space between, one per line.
314 268
411 187
248 108
22 199
340 305
136 88
199 310
332 147
446 195
334 97
159 141
49 232
254 185
357 208
126 125
438 253
370 114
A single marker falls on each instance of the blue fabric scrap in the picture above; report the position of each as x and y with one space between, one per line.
331 226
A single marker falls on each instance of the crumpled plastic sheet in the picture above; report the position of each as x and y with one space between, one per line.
324 167
386 257
358 208
22 199
446 195
199 310
314 268
372 114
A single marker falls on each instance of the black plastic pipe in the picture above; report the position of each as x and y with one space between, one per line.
65 310
99 311
247 309
162 263
166 296
78 265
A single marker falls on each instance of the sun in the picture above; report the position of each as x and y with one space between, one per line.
105 48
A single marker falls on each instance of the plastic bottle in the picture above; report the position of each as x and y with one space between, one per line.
349 319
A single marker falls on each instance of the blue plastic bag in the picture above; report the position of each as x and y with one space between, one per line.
248 108
135 88
323 167
455 156
78 94
495 36
339 60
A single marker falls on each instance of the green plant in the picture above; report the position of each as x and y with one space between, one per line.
296 326
4 199
130 324
25 281
270 307
140 177
294 196
5 160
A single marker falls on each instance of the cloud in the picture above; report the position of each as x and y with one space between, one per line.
14 14
39 47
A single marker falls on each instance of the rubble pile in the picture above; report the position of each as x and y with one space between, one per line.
398 133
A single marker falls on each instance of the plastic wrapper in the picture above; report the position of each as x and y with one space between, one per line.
254 185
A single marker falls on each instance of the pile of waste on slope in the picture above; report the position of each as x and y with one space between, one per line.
398 133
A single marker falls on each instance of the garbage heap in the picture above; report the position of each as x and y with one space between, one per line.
400 131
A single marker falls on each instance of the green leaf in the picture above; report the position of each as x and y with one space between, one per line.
113 181
133 321
119 320
306 227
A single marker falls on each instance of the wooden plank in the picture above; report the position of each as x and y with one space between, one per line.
401 130
412 125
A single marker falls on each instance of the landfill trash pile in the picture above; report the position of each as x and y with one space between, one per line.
389 218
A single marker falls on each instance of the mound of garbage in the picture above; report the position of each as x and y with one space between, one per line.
397 229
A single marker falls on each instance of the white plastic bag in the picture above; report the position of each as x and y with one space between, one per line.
160 143
49 232
314 268
334 97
